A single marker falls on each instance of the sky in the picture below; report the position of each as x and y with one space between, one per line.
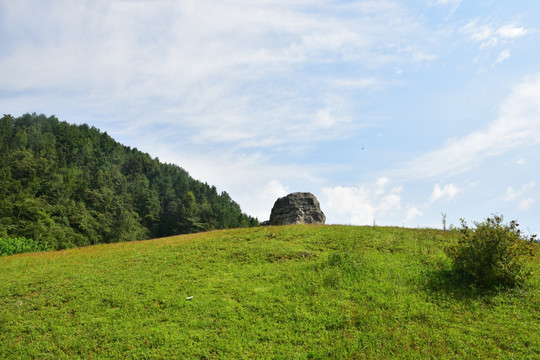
394 113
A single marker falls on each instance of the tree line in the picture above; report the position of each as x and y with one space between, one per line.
65 185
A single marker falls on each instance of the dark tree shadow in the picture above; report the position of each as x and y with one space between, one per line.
450 283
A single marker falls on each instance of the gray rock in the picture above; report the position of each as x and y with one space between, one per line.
296 208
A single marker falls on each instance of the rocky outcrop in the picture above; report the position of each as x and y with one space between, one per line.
296 208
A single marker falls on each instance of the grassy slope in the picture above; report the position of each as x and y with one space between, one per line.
291 292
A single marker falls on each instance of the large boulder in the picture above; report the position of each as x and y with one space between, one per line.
296 208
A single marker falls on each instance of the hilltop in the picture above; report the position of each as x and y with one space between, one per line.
290 292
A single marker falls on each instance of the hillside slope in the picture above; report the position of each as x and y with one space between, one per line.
66 185
292 292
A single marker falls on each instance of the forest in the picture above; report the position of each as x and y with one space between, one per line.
65 185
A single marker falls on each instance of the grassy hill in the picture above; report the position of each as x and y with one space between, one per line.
292 292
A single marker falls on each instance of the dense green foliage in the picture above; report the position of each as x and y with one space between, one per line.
492 254
66 185
288 292
10 246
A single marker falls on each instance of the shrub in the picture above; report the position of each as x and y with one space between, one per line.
10 246
492 254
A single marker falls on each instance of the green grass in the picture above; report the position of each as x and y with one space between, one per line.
292 292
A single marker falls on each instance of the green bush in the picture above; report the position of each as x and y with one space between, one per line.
492 254
10 246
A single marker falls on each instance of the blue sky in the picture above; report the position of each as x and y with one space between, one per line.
390 112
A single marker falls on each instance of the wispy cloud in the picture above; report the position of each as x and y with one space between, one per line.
452 4
227 72
524 202
518 125
505 54
489 35
448 2
512 195
492 37
358 83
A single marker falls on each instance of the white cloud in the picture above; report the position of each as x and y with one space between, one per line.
525 204
360 205
518 125
511 32
489 35
512 195
448 192
274 189
505 54
381 183
350 204
413 212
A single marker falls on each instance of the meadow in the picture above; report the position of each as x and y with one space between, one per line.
287 292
